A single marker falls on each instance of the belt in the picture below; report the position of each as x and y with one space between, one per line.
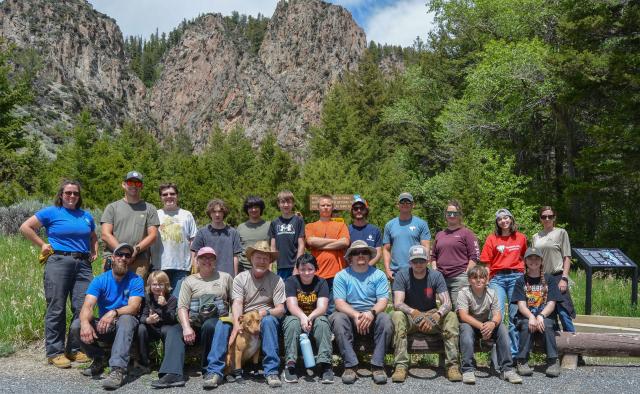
557 273
76 255
507 272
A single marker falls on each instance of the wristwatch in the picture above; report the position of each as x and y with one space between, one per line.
373 312
267 312
137 249
542 314
116 311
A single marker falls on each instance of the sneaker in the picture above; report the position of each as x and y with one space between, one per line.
469 377
78 357
349 376
60 361
553 368
524 369
327 375
289 374
511 376
273 380
115 379
168 380
96 368
379 376
211 381
400 374
453 374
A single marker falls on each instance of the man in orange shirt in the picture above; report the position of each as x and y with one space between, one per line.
327 240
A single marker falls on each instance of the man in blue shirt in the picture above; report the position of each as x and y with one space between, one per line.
361 229
118 293
400 234
361 294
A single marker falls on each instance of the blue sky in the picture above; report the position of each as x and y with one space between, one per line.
395 22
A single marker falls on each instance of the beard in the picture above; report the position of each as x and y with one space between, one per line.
119 269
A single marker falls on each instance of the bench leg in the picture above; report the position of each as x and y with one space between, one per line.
570 361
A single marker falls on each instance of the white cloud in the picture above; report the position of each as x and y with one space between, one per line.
143 17
400 23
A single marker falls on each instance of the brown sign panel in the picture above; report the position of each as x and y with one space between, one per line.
341 202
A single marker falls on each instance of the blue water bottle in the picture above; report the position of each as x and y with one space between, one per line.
307 351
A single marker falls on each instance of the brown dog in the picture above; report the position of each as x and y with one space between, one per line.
246 345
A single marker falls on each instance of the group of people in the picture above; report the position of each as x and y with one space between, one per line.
165 279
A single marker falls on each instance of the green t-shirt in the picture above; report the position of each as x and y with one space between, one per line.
250 233
130 221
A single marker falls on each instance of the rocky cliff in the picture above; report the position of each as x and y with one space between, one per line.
209 79
78 58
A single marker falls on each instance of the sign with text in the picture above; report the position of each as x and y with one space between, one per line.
604 258
341 202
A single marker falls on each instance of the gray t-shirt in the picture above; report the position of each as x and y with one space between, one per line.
554 246
258 294
250 233
480 308
226 243
194 287
419 294
171 249
130 222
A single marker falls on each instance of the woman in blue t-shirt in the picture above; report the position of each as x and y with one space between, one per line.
70 249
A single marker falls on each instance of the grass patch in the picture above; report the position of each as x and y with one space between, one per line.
610 294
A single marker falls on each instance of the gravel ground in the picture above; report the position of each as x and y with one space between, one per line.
27 372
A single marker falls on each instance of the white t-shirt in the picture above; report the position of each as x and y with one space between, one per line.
171 249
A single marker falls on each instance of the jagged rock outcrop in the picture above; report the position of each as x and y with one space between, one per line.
308 46
80 62
211 79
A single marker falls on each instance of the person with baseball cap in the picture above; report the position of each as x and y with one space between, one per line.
536 295
415 291
118 294
402 232
130 220
361 229
202 304
361 294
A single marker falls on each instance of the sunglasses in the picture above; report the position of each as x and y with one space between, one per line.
135 183
405 202
358 208
68 193
452 214
169 194
360 253
125 255
547 217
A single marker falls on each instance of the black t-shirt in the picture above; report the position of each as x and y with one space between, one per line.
531 290
286 233
307 295
419 294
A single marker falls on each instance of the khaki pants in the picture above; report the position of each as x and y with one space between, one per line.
448 328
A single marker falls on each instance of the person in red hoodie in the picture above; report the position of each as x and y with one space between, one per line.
503 252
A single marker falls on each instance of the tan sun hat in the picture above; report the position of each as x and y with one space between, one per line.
261 246
360 245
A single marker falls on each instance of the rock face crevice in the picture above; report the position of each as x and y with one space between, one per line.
210 79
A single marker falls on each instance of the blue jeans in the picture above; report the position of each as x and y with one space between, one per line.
218 353
285 273
503 285
565 318
269 327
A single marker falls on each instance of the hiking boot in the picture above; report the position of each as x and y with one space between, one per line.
379 376
349 376
327 374
78 357
115 379
168 380
469 377
524 369
273 380
400 374
453 374
289 374
60 361
211 381
511 376
553 368
96 368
